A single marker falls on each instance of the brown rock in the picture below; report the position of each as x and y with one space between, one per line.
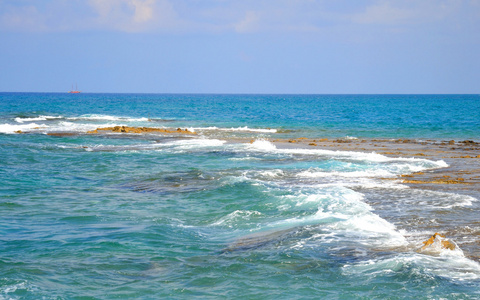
126 129
445 244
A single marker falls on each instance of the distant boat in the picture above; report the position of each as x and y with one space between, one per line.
74 91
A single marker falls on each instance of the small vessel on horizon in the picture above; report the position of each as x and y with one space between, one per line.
74 91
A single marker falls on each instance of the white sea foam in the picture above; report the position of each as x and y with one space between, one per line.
12 128
195 143
314 173
240 129
94 117
33 119
393 165
123 148
430 199
65 126
233 219
341 211
371 231
268 174
415 164
262 145
176 146
15 289
449 265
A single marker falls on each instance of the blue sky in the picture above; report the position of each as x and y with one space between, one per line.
240 46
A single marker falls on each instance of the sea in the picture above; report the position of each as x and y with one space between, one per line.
224 212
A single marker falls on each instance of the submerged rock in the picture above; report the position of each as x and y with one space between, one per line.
260 239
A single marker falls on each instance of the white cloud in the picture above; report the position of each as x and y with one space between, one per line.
132 15
411 12
384 13
143 10
78 15
239 16
249 23
23 18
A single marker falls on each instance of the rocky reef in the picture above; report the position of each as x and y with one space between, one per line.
127 129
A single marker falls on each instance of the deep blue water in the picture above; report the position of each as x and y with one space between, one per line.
109 216
379 116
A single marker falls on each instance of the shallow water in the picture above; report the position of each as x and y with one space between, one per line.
149 216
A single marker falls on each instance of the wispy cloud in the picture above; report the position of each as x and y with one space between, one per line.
77 15
238 16
396 12
384 13
133 15
249 23
22 18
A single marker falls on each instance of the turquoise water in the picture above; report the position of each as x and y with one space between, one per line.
156 216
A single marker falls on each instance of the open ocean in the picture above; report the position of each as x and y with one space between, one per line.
151 216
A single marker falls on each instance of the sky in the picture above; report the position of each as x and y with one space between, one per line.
241 46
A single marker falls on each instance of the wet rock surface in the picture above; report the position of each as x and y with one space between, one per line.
127 129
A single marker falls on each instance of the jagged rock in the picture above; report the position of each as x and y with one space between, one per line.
444 243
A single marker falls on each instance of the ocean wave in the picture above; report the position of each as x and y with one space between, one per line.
12 128
262 145
94 117
239 129
191 144
398 165
315 173
34 119
178 145
66 126
233 219
124 148
451 265
342 212
431 199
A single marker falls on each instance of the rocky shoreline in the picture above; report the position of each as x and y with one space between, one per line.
462 176
463 157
